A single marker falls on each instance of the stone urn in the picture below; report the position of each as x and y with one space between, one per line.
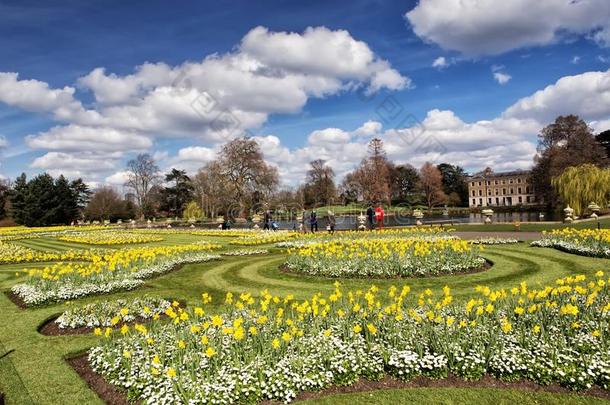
488 214
569 214
418 215
594 208
445 211
361 222
149 224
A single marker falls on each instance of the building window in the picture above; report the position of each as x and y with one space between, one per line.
480 193
474 201
503 181
497 191
512 191
497 201
473 184
519 190
480 201
519 180
520 200
488 192
496 182
527 190
489 201
503 191
479 183
473 193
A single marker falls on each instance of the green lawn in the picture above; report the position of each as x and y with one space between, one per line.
36 372
604 222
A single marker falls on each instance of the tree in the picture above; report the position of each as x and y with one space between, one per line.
106 204
192 211
41 202
4 197
174 198
604 139
143 175
581 185
566 142
320 184
404 180
454 183
211 189
246 173
17 199
431 185
66 208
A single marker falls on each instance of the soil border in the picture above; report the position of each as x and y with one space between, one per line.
15 299
114 396
480 269
107 392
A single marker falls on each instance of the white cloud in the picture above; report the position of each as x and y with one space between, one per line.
602 37
211 100
502 78
329 137
72 165
78 138
440 63
3 142
575 60
478 27
368 129
586 94
118 178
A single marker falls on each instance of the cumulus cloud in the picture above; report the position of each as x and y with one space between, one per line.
479 27
72 165
501 78
75 137
440 63
211 100
586 94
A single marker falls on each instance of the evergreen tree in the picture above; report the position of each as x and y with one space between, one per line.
18 199
66 209
41 202
174 198
4 191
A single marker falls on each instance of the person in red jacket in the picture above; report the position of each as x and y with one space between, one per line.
379 214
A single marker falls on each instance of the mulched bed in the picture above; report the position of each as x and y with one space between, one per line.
15 299
484 267
51 328
107 392
112 395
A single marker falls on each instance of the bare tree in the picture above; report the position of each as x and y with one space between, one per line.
320 186
105 204
248 176
211 189
143 175
431 185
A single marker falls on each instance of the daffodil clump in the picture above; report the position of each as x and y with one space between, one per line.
122 269
265 237
112 313
233 233
246 252
12 253
108 238
385 257
585 242
22 231
272 348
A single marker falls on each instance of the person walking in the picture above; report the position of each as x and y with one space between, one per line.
313 221
379 214
267 220
331 222
369 217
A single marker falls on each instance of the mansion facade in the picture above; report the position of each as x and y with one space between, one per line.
503 189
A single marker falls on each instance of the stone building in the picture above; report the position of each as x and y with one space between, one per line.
503 189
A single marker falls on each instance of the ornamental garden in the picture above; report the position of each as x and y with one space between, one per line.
108 314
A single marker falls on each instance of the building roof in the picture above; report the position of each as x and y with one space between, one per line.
488 175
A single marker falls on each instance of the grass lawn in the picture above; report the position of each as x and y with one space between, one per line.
35 371
604 222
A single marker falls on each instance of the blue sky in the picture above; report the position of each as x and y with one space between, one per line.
316 101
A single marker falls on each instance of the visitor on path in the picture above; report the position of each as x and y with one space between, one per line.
274 226
267 219
303 225
313 221
379 214
369 217
331 222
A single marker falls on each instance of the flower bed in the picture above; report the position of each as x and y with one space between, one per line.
494 241
265 237
11 253
111 313
246 252
387 257
584 242
123 269
273 348
108 238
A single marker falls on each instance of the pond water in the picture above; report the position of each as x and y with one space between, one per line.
351 221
